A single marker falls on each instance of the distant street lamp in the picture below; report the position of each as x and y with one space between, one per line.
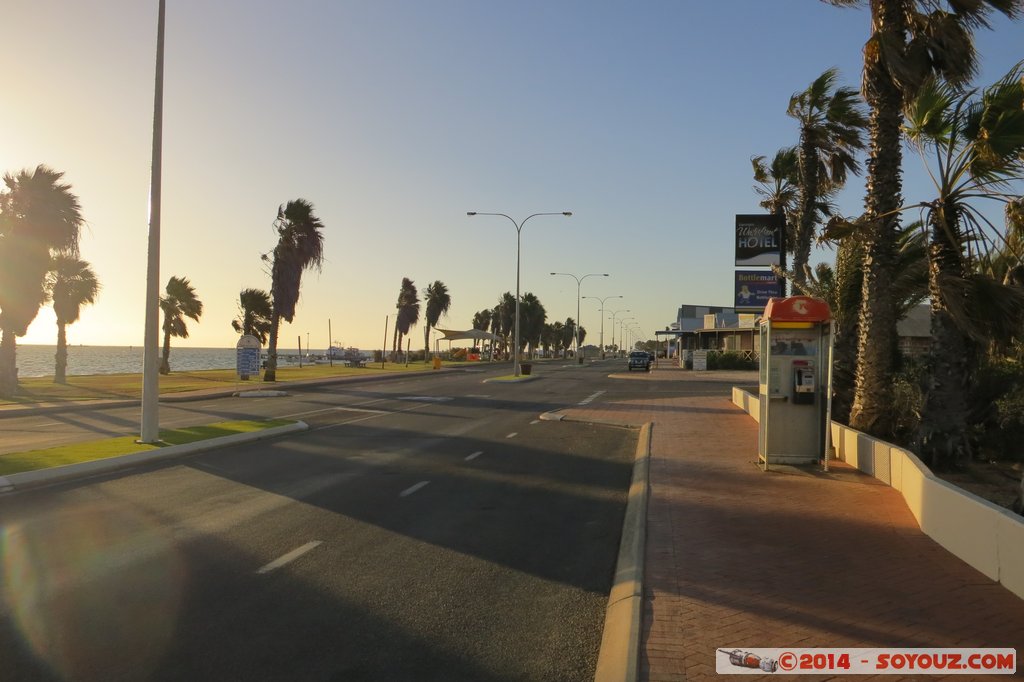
579 281
602 300
622 327
519 233
627 310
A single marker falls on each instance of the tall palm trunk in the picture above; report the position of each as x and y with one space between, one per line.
270 374
165 356
61 367
873 396
8 365
808 196
943 442
849 282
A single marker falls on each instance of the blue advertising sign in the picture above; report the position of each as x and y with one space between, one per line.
754 288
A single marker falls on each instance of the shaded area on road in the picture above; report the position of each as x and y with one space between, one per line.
498 570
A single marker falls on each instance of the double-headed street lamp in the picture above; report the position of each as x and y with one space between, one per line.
602 300
622 327
579 281
627 310
519 232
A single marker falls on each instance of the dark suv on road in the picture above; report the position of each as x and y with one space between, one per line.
639 359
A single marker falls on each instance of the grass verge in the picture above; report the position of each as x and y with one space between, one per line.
31 460
129 386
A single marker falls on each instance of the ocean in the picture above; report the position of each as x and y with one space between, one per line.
38 361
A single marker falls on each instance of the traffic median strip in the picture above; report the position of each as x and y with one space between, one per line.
36 467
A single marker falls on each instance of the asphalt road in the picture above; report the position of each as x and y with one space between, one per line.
421 529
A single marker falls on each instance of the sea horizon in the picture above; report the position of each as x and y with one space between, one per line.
37 360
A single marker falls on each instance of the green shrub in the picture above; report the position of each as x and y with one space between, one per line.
730 360
996 412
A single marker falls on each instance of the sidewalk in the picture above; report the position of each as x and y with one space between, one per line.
739 558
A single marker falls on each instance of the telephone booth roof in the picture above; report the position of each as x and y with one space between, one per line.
796 309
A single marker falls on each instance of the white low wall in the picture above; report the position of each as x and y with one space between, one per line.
985 535
748 402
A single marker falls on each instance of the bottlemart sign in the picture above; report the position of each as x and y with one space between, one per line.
754 288
759 239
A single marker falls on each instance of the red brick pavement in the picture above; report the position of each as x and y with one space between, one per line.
741 558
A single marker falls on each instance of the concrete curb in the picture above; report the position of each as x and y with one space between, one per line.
41 477
619 658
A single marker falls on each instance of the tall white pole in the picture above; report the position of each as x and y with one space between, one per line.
150 431
515 349
579 282
519 233
602 300
579 358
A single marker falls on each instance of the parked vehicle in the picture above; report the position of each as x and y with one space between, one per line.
639 359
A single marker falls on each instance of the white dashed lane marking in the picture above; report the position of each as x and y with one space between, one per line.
413 488
512 435
290 556
473 456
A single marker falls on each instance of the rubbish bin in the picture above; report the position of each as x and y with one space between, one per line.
526 368
437 362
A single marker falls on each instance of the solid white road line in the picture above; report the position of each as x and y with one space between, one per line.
413 488
476 454
290 556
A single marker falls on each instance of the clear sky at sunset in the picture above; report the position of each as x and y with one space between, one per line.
395 118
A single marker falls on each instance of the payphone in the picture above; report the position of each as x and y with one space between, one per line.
804 385
795 343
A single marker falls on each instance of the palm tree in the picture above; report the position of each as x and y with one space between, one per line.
438 303
910 40
71 284
408 313
531 323
547 338
977 148
842 287
568 332
778 185
180 302
503 318
254 314
831 126
300 246
557 336
39 215
482 320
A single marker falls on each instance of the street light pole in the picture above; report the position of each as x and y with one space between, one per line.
622 326
627 310
149 431
602 300
579 281
519 233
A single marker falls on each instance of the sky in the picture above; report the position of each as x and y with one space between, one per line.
395 118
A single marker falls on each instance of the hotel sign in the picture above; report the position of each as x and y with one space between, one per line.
759 239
